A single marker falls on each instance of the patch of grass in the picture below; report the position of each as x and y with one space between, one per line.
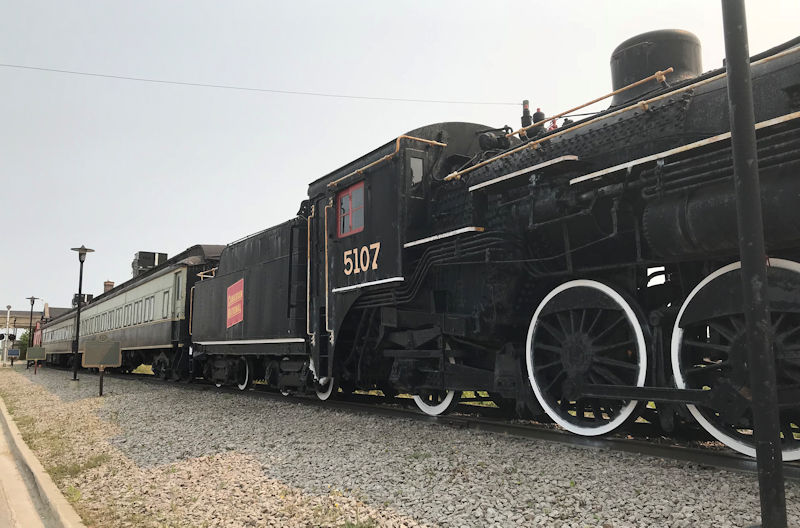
96 461
420 455
467 395
62 471
143 369
73 494
369 523
25 421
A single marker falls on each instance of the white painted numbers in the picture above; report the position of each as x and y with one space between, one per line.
361 259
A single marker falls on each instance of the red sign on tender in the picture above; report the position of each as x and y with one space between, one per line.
235 303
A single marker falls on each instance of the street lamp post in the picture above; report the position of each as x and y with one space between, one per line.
82 251
30 322
8 330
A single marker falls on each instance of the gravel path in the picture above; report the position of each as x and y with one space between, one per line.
169 456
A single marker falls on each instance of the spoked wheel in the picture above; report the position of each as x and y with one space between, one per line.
709 349
437 402
585 332
327 389
244 377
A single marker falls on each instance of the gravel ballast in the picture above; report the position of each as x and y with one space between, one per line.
162 455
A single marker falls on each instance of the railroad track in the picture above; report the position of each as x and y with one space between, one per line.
469 418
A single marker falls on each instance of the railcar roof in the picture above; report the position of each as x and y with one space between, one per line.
191 256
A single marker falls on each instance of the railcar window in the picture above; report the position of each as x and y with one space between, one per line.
165 305
416 170
127 314
350 210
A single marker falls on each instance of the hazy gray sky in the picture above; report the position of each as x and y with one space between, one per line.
123 166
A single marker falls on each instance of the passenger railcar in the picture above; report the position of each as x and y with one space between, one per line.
148 315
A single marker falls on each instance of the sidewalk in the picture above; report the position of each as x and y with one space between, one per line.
17 509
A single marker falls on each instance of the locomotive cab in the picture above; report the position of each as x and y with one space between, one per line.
360 218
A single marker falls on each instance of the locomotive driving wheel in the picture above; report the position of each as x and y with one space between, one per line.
437 402
709 349
325 388
585 332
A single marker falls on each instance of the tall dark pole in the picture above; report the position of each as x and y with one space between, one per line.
77 326
30 322
761 361
82 251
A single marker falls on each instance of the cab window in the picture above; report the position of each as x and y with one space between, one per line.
350 210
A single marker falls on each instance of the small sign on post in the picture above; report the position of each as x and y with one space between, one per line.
13 353
36 354
101 354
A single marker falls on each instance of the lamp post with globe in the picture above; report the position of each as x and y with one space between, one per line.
82 251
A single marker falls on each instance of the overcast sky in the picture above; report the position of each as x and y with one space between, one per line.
123 166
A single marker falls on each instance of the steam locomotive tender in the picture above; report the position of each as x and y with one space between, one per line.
529 265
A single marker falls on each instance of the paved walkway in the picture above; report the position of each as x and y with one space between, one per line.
17 509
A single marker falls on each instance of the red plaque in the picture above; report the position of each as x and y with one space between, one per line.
235 303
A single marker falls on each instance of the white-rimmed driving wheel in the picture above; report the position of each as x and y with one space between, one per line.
244 376
437 402
709 349
326 388
585 332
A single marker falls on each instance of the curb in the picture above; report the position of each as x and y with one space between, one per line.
60 512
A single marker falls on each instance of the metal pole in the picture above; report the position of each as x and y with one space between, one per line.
30 324
77 326
761 360
8 330
102 371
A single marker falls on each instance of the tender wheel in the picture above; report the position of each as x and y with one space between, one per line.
244 378
709 350
435 403
326 390
585 331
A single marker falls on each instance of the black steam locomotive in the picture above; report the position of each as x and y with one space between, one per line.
526 265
